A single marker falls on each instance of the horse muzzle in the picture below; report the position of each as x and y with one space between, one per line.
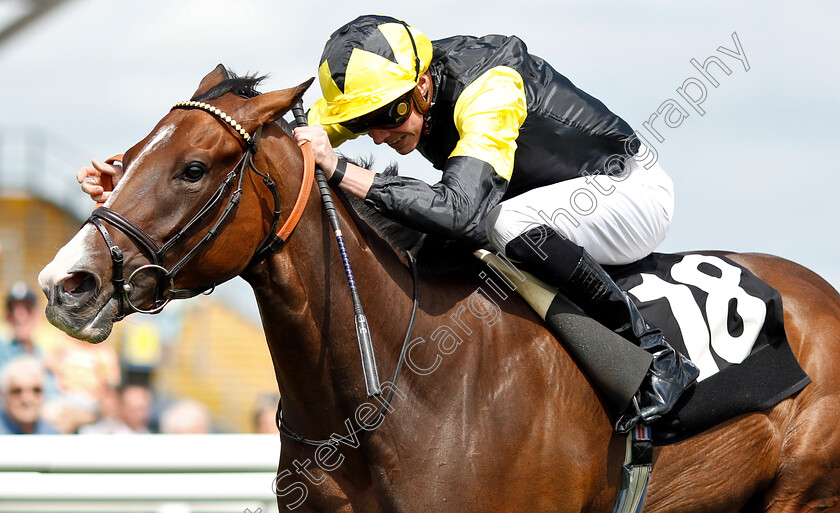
77 306
79 300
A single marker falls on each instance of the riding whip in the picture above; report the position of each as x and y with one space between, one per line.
362 329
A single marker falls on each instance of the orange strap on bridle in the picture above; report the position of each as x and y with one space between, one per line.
303 195
116 158
106 181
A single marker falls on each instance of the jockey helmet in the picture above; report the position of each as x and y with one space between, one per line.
368 64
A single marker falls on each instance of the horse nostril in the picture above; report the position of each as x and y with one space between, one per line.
79 284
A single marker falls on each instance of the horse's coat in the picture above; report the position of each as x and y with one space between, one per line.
505 422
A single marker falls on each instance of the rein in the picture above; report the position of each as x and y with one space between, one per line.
385 407
166 292
369 370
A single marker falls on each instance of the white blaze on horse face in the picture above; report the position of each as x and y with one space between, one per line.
160 138
71 256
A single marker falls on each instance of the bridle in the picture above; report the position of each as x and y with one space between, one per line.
165 290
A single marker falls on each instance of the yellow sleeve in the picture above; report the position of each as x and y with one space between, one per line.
488 115
337 133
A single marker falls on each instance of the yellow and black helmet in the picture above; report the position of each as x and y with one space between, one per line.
366 64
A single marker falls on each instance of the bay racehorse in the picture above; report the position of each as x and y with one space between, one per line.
490 412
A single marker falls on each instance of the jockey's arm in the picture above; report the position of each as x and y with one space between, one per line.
466 193
468 189
488 115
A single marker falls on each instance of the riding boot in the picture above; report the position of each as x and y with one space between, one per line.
562 263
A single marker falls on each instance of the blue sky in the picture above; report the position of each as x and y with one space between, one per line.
755 172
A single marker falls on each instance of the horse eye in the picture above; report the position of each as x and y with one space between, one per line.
193 172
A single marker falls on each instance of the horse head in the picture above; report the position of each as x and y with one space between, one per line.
196 204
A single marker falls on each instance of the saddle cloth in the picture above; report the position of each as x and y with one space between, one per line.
722 317
729 323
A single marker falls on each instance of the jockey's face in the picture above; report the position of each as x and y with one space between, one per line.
404 138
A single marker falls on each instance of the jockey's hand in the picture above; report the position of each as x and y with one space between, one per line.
320 141
91 178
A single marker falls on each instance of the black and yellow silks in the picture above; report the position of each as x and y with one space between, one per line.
502 121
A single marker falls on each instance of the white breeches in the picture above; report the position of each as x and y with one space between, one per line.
617 219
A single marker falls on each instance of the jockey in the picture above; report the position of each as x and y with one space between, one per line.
551 174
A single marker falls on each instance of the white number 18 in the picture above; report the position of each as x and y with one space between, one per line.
696 333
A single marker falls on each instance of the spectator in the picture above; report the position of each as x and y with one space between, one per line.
110 404
185 417
82 370
21 388
22 318
69 413
134 410
265 413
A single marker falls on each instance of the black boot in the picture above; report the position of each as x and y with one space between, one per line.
559 262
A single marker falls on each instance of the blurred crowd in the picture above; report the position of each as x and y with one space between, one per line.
75 387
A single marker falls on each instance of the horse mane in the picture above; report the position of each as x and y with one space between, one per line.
399 237
242 86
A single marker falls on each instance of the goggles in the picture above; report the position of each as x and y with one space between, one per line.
390 116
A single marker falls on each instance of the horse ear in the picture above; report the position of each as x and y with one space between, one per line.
213 78
268 107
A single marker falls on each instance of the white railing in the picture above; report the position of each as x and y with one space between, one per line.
138 473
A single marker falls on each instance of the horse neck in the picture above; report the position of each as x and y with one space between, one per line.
308 316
